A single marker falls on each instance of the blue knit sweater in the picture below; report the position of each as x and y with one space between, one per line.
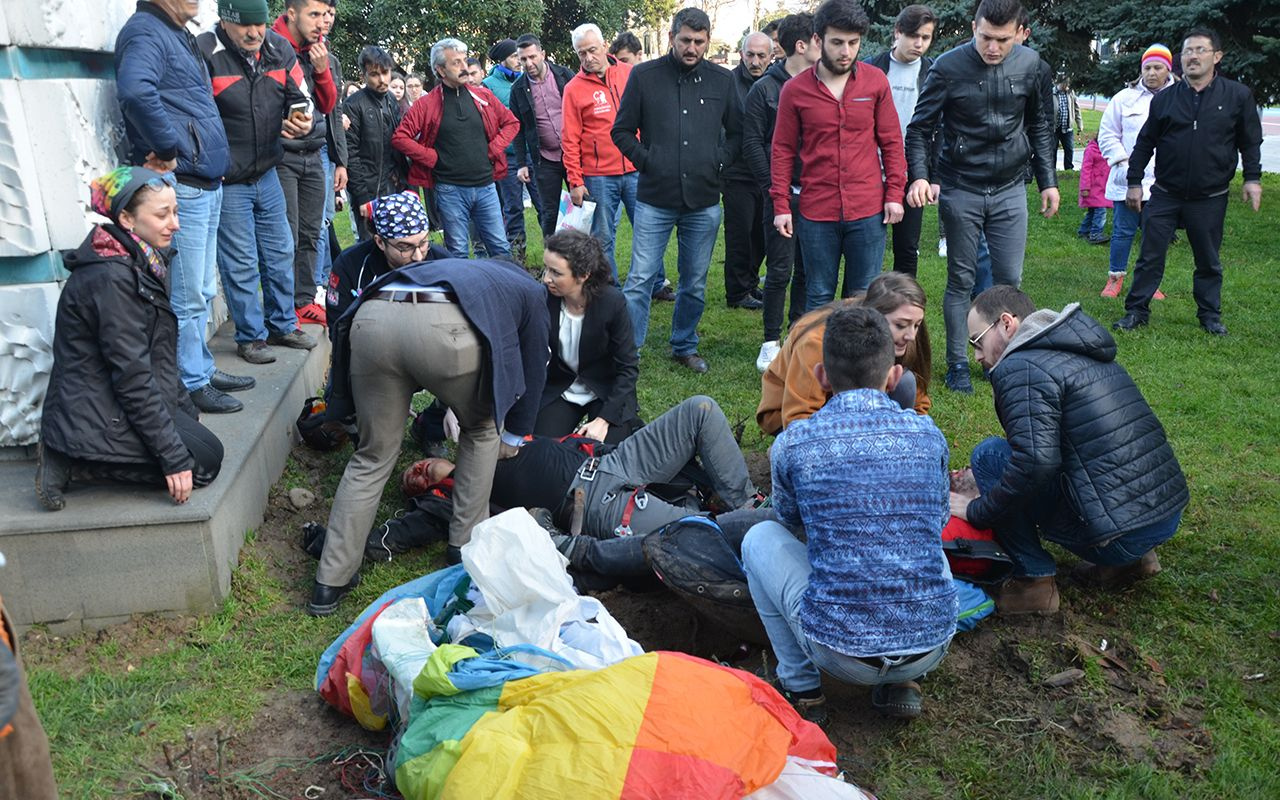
868 481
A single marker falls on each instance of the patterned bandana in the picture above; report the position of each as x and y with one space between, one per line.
109 194
397 215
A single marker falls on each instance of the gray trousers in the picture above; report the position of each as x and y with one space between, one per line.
965 215
398 348
303 179
654 454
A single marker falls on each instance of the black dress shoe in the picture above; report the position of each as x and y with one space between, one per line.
692 361
453 555
212 401
749 302
231 383
666 295
325 599
1215 327
1128 322
53 473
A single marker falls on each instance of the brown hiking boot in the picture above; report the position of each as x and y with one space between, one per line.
1117 577
1028 596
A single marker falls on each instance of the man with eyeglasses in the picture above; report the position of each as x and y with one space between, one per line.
400 237
1198 128
474 333
1084 463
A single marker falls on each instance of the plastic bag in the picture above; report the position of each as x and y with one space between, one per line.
573 217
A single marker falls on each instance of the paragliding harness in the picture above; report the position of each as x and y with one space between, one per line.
695 560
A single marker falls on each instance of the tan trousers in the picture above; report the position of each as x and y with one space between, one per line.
398 348
25 769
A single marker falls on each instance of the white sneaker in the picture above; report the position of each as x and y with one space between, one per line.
768 352
942 248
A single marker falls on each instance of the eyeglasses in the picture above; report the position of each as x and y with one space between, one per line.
409 248
1198 51
976 341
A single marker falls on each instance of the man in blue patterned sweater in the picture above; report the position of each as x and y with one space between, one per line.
869 599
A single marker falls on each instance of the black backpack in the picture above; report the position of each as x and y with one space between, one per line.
693 559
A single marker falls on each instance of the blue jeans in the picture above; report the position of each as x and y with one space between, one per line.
511 194
193 276
324 261
982 277
1017 530
777 567
696 238
462 205
860 241
1124 226
1093 224
611 194
255 248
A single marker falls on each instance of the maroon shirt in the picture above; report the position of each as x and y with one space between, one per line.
840 144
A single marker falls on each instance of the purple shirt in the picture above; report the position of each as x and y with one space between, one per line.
548 110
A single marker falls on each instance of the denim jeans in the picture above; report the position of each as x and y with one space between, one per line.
462 205
982 277
1017 530
777 567
302 177
511 194
255 248
193 277
967 216
860 241
324 259
1093 224
1124 226
696 238
611 193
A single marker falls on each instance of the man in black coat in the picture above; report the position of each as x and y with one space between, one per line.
374 167
537 101
683 107
474 334
1085 463
743 204
1198 126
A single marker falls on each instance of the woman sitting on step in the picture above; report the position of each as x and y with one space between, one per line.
115 409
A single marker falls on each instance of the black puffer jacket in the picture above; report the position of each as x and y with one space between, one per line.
1077 423
995 117
114 389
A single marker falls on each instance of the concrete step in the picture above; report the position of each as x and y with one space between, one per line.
121 550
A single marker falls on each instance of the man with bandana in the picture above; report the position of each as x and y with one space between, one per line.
400 229
474 333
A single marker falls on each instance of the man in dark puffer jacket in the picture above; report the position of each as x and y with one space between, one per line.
1085 460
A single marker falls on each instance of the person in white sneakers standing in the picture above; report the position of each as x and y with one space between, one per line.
1123 118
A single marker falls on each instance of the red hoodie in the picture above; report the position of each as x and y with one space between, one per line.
323 89
590 105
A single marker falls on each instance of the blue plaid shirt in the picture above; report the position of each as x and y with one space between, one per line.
868 481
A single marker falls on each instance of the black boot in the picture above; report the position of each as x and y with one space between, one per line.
53 473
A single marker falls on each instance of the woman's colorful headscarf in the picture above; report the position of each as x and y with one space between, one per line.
109 194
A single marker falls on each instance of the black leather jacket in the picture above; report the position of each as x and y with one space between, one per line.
989 120
1080 431
374 167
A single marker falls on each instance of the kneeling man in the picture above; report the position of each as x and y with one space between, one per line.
870 599
1084 462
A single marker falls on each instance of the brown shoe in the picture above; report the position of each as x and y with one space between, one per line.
255 352
1117 577
1028 596
692 361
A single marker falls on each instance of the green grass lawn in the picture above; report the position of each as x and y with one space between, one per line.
1210 619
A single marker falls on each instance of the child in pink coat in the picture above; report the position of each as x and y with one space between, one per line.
1094 171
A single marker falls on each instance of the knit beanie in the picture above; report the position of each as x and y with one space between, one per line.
110 193
243 12
1158 52
502 50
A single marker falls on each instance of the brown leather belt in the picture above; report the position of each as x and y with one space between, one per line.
420 296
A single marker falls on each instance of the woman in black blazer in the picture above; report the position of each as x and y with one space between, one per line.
594 366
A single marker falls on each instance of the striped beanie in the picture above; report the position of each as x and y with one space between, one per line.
1158 52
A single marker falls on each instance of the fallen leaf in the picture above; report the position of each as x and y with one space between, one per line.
1064 678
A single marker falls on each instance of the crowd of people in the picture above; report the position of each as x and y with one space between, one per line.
810 156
